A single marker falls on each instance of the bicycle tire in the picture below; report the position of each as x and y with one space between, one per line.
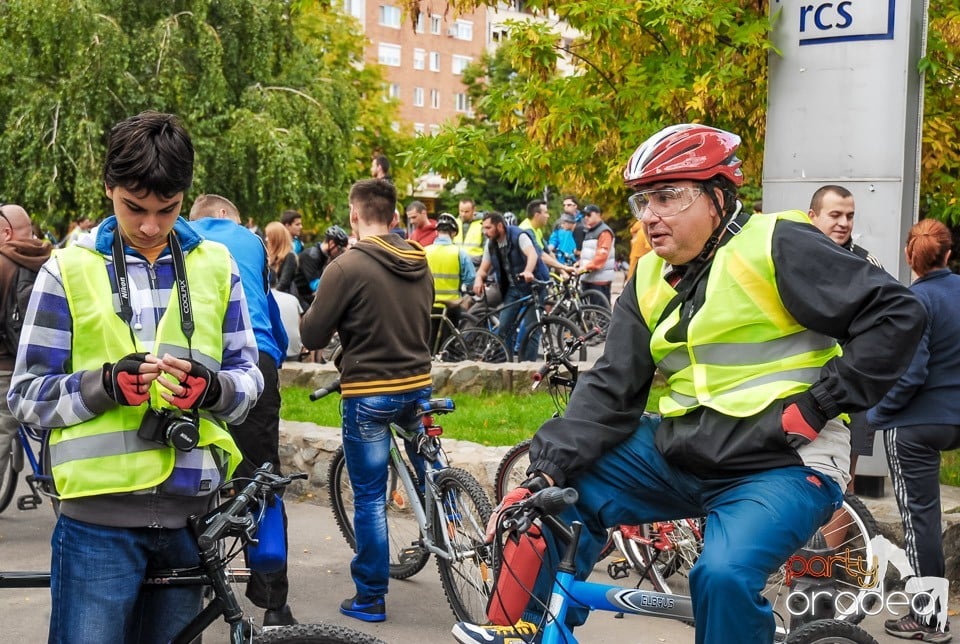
314 634
554 332
686 542
590 317
407 555
478 345
512 470
591 297
830 631
467 577
8 478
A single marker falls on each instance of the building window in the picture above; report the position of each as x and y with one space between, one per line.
434 129
421 22
462 30
388 54
393 90
390 16
418 97
459 63
435 23
463 102
435 99
434 61
353 8
418 128
419 58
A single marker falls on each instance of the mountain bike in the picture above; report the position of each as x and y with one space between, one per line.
569 592
445 514
548 333
39 479
238 517
566 300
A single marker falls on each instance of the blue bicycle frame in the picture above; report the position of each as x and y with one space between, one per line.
595 596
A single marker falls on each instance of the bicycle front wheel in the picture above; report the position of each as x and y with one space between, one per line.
479 345
552 333
314 634
467 576
512 470
830 631
407 555
8 477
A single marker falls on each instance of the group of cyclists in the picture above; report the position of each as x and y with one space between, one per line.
740 313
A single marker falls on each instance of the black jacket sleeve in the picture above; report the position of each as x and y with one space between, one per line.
288 270
878 320
606 404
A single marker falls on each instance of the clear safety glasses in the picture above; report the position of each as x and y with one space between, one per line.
663 202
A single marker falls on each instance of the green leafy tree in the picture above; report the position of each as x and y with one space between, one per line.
271 93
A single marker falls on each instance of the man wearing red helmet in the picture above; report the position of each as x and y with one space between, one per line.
741 316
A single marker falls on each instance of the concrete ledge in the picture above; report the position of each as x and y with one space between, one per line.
449 379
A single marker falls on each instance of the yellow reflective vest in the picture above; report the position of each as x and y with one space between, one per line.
743 348
470 238
444 262
104 455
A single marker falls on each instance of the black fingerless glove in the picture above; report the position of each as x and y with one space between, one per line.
123 381
201 388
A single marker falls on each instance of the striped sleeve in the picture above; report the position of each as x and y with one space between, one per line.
47 394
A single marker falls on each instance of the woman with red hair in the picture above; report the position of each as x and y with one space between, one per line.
920 417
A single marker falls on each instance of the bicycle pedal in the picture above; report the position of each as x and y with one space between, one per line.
28 502
619 569
410 554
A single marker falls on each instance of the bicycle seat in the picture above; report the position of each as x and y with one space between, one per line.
435 406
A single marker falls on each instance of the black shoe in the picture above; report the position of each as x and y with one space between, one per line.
367 610
279 617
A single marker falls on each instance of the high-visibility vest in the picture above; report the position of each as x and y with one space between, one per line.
470 238
588 251
444 263
743 348
104 455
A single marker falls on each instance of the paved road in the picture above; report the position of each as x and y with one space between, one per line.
319 564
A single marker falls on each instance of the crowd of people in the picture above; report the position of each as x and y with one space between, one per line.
768 331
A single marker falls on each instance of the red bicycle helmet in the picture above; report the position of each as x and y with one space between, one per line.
687 151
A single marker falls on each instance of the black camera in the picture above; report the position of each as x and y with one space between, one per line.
169 428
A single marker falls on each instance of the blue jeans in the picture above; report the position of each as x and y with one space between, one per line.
754 523
508 317
366 447
96 574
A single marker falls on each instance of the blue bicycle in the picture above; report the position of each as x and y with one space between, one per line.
568 592
31 446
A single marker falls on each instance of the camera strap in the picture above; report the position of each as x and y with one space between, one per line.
180 277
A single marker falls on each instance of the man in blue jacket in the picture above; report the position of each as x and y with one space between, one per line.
258 437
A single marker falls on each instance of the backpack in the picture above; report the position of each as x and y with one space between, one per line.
13 307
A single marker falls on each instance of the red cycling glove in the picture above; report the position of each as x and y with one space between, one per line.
124 382
201 388
802 420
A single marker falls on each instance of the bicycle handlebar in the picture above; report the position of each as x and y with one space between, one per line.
234 513
546 503
325 391
555 361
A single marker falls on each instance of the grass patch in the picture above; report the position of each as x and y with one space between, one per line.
950 468
494 419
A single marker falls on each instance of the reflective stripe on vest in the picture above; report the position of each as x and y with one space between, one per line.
589 250
470 238
444 262
104 455
743 349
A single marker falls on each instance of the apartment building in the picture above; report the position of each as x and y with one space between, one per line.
423 62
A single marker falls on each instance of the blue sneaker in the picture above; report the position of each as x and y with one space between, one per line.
372 610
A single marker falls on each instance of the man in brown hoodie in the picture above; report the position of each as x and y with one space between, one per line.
18 249
377 296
